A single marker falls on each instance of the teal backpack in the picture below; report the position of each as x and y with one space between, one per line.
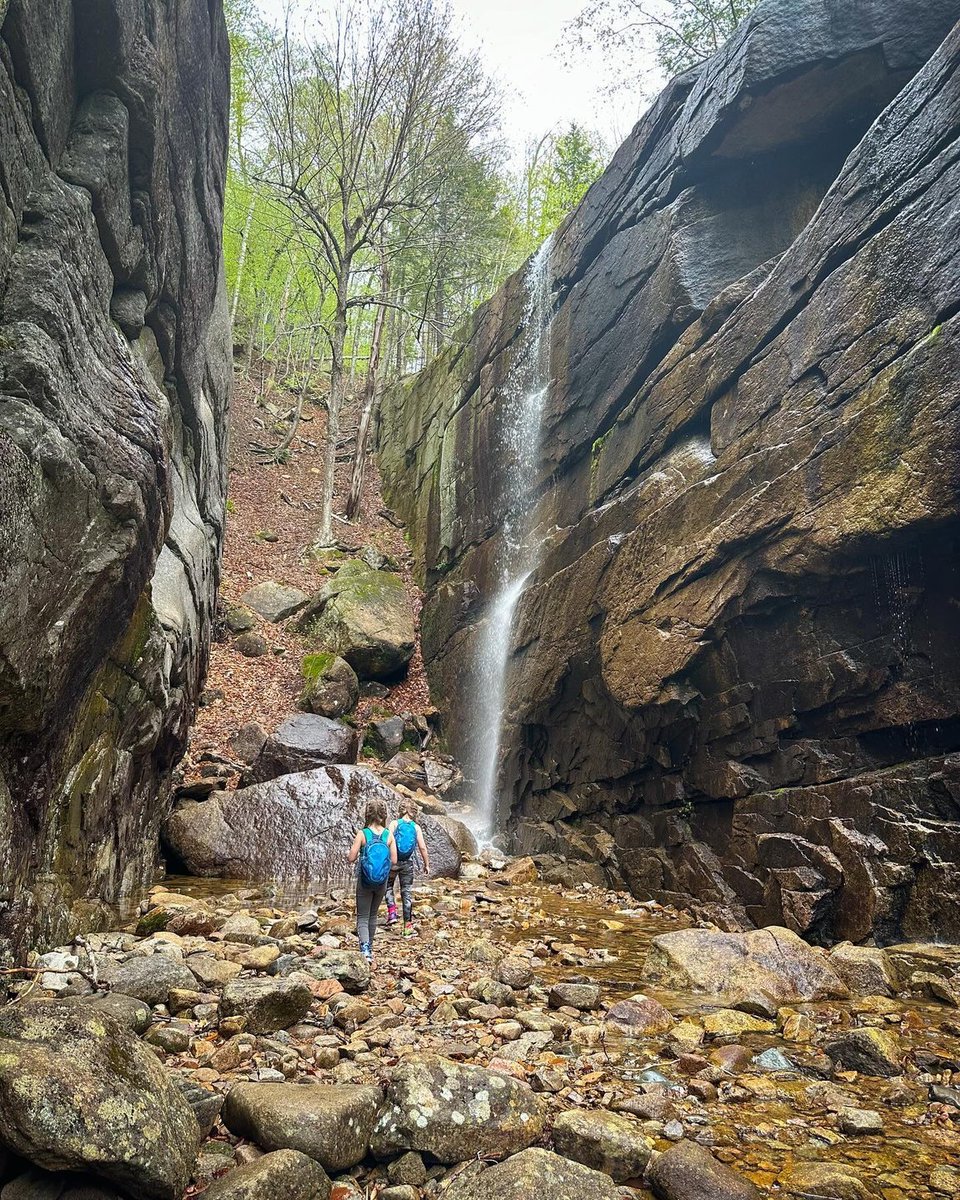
406 838
375 859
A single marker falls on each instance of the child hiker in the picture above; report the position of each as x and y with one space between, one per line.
375 847
408 837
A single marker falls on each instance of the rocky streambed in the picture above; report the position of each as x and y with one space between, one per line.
232 1042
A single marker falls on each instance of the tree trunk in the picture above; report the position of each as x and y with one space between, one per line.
241 261
338 342
369 401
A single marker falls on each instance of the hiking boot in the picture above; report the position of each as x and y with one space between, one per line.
367 951
391 914
408 930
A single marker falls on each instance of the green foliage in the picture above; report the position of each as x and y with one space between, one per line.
559 171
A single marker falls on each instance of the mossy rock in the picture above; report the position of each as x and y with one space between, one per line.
365 617
79 1092
331 687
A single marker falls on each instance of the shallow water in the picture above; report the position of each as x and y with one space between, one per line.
761 1122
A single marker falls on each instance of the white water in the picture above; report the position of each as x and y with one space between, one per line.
524 397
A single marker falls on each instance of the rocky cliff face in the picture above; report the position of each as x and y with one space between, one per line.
735 673
114 369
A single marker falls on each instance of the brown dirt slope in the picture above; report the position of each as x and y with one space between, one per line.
283 501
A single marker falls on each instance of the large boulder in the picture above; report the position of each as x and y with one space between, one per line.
294 827
302 743
282 1175
78 1092
453 1112
533 1173
275 601
764 965
115 352
366 617
331 1124
330 685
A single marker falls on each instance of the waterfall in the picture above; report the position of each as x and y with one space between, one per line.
523 398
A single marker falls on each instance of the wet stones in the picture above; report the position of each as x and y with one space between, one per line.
331 1124
859 1122
772 962
728 1022
454 1112
604 1141
281 1175
582 996
688 1170
639 1016
824 1181
267 1004
870 1051
533 1172
80 1092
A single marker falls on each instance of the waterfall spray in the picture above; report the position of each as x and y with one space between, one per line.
524 398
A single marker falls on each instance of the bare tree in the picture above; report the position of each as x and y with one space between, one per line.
680 33
362 116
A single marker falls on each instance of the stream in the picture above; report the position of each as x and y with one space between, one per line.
763 1122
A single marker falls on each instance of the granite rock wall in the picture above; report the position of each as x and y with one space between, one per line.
114 384
735 673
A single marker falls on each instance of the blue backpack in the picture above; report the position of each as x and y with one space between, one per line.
406 838
375 859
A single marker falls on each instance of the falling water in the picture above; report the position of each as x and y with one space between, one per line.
523 401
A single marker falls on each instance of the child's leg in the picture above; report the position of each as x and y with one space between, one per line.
406 888
364 898
376 899
392 898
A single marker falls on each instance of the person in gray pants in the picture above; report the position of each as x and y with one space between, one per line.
409 840
379 855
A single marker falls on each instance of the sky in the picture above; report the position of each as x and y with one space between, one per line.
518 40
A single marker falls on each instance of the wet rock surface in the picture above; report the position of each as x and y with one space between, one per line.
767 966
296 827
437 1054
734 671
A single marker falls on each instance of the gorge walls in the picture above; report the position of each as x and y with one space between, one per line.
114 380
735 673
